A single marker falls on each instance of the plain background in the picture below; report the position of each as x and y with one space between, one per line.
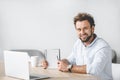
48 24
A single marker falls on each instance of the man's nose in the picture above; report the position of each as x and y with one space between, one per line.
82 31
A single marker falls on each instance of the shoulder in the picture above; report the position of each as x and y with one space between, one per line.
102 47
101 43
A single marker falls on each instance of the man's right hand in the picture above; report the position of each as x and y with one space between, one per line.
44 64
62 65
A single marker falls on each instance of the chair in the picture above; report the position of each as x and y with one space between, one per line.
114 57
116 71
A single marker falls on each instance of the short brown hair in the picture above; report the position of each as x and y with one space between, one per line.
84 16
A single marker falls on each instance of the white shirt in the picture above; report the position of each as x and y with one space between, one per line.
96 57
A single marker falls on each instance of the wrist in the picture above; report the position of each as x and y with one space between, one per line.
69 67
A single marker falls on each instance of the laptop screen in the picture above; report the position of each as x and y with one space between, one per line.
16 64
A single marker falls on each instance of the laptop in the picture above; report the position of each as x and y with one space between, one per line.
17 66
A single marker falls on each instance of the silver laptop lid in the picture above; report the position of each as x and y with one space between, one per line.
16 64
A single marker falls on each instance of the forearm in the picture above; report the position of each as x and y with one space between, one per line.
79 69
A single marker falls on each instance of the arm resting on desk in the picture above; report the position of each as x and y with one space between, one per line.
79 69
63 66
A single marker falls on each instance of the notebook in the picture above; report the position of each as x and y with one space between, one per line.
17 66
52 56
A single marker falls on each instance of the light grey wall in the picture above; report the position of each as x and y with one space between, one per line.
48 24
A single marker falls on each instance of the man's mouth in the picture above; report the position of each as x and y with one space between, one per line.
83 36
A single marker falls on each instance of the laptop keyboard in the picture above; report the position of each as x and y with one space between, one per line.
32 77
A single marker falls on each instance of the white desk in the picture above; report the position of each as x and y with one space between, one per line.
54 74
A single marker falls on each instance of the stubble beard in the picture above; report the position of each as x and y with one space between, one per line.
87 39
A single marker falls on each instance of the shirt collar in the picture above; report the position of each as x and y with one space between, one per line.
91 42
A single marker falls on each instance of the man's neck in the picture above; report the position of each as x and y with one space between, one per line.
90 40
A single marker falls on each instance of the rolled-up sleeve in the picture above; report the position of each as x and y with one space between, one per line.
71 59
101 58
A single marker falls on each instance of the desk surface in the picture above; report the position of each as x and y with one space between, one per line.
54 74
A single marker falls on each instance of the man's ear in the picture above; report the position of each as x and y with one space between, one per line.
93 28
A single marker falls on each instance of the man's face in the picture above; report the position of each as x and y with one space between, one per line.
84 30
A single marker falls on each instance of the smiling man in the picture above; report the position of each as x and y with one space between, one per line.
90 54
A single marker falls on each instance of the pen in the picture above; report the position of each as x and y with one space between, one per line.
58 58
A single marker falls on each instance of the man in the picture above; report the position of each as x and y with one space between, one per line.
90 54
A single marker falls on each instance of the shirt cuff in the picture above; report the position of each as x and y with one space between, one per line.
88 67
